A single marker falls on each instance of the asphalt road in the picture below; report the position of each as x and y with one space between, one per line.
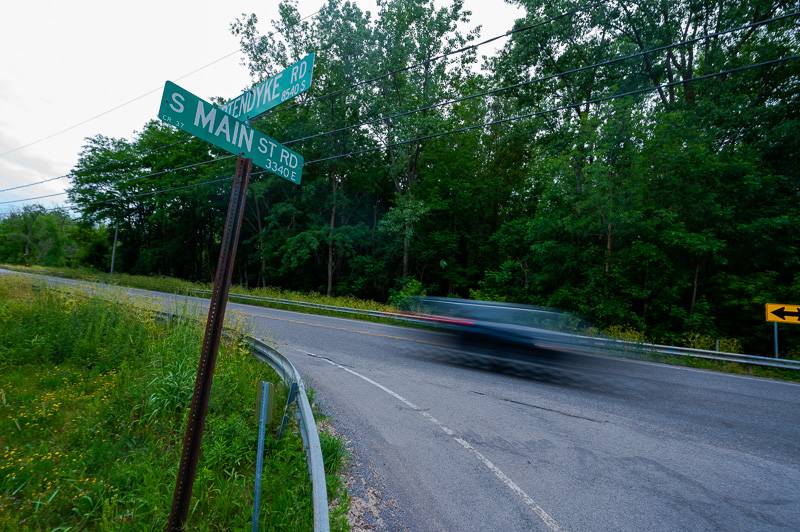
440 445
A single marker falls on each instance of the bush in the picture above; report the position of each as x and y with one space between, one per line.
410 287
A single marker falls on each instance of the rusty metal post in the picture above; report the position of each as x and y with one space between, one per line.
208 354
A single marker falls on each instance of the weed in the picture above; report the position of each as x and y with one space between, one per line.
93 404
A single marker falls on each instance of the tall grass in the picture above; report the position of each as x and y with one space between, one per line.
93 404
155 282
180 286
169 284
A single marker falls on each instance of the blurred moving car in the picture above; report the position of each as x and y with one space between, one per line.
511 329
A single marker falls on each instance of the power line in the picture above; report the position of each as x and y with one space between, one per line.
36 183
493 122
132 100
498 90
354 85
34 198
101 169
436 58
169 189
560 108
78 124
165 189
170 170
140 194
134 178
445 102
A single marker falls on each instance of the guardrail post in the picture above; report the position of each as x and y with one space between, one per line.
265 393
289 400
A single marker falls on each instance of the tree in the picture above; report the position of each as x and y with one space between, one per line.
634 192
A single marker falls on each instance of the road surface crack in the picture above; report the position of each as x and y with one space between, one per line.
554 410
329 360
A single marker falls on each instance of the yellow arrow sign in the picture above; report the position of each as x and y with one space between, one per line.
781 313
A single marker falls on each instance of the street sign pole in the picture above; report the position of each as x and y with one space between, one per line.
228 128
775 330
208 353
781 313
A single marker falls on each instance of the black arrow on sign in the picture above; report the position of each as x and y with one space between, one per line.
782 313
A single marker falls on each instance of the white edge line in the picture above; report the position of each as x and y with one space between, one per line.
546 518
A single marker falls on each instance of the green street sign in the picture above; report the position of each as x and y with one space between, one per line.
194 115
294 80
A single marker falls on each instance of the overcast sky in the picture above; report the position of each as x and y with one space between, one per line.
65 62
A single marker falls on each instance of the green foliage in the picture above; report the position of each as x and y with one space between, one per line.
670 212
35 236
94 404
409 288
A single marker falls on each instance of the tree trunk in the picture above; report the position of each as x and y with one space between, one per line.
374 221
694 287
406 245
412 171
330 236
262 265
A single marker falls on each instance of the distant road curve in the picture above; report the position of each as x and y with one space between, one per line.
439 445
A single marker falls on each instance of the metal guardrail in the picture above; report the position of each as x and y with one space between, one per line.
399 316
585 341
669 350
308 429
305 420
604 343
